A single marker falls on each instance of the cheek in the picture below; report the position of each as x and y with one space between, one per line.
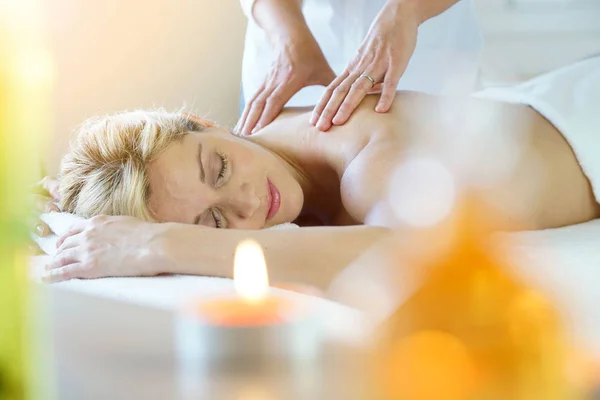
251 162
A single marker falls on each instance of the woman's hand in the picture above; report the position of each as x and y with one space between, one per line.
382 58
106 246
45 197
299 63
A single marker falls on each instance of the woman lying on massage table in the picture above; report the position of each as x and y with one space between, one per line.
137 168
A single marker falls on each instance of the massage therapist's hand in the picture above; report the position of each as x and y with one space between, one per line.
379 64
106 246
299 63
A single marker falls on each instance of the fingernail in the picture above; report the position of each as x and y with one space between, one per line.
313 119
337 120
39 229
379 108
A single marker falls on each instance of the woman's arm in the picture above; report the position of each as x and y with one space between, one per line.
311 256
105 246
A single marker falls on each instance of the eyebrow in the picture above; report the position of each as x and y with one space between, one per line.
202 174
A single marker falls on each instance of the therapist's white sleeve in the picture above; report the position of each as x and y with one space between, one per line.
247 6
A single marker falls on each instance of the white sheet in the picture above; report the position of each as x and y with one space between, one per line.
565 264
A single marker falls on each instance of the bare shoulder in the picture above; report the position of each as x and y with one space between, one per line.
366 179
383 138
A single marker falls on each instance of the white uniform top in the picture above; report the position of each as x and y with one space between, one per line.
445 60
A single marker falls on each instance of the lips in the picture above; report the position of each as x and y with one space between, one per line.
273 200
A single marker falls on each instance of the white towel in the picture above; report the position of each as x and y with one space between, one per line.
570 99
59 223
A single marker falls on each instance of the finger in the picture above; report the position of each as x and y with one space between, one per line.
41 229
36 225
247 108
45 204
35 249
257 109
377 88
338 96
62 259
71 271
74 230
52 186
274 105
68 243
52 207
357 93
388 93
240 124
318 110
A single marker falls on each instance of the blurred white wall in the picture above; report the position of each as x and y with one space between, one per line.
524 38
113 55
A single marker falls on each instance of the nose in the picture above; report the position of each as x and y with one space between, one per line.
244 201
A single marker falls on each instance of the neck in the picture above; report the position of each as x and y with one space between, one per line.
317 167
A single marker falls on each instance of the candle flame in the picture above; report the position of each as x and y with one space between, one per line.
250 272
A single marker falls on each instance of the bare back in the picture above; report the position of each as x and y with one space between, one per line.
542 184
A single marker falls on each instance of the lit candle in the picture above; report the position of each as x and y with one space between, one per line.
248 341
253 305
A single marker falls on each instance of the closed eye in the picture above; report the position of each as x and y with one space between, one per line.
220 222
223 170
212 218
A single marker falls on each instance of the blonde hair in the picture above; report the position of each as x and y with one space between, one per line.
105 169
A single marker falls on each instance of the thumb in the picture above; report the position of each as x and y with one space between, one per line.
326 77
53 187
275 103
47 186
